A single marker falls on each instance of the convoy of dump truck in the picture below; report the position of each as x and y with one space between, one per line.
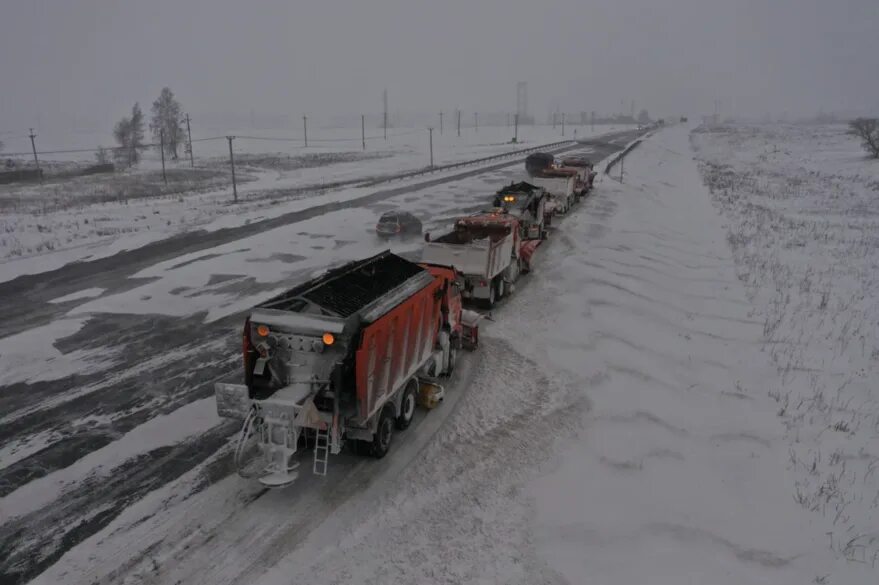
344 359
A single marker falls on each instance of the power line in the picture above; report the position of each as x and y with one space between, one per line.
207 139
79 150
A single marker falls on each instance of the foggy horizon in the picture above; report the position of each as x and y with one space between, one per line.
83 65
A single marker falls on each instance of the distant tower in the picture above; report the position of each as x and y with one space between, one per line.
522 100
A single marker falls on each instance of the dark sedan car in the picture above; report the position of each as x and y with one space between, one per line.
398 223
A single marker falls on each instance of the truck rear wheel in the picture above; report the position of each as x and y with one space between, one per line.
492 296
453 358
381 441
407 407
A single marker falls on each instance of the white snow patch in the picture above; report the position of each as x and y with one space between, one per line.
31 356
88 293
16 451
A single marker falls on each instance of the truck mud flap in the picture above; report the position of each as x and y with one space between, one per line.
528 252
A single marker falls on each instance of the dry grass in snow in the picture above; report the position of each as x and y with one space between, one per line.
803 209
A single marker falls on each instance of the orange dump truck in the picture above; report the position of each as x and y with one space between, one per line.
344 357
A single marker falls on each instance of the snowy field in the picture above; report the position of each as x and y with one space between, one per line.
83 218
802 204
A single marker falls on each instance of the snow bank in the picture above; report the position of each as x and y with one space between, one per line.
679 474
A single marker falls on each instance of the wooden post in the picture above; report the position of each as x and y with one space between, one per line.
189 133
232 162
162 150
36 160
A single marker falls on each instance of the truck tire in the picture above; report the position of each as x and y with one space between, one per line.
501 288
407 407
492 296
453 358
381 441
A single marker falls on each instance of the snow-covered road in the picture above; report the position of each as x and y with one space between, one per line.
107 372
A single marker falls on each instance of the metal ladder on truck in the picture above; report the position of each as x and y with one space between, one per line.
321 451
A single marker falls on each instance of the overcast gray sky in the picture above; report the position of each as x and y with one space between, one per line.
87 61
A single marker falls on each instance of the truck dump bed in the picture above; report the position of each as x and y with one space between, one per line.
480 245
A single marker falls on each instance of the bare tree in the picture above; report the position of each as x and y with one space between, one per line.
122 134
136 138
167 119
867 129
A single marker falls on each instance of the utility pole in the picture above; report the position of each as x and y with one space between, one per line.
553 120
563 123
430 130
36 160
441 122
232 162
363 129
459 123
516 132
189 134
476 121
385 103
162 150
593 120
305 129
